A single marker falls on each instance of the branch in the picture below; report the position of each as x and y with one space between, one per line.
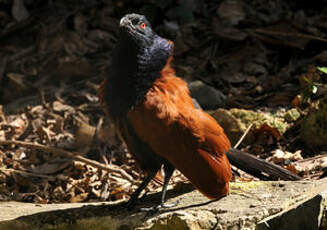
71 155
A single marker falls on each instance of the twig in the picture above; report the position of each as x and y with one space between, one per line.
27 173
243 136
18 27
289 34
71 155
5 173
312 158
43 100
22 53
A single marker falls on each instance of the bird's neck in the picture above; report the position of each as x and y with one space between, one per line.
133 72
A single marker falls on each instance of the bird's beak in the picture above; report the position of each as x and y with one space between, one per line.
124 22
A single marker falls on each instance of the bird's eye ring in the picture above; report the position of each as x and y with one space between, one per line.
142 26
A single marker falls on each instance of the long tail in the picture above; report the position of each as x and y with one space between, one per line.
258 167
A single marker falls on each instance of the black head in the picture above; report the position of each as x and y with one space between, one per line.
137 28
137 61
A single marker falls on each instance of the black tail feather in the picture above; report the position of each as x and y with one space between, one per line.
259 168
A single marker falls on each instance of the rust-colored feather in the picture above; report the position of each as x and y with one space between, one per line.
187 137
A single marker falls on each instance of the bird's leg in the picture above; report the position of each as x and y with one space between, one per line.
168 169
135 195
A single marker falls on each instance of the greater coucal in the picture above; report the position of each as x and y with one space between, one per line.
155 115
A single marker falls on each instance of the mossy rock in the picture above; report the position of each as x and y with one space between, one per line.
292 115
232 126
236 121
258 119
314 128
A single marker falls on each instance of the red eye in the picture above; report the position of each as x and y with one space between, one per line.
143 25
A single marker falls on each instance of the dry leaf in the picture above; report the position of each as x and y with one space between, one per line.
55 166
281 157
79 198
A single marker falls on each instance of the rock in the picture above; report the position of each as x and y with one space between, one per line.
260 118
236 121
250 205
232 126
231 12
208 97
19 11
314 128
301 216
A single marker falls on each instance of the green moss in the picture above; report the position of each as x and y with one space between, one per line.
258 119
246 186
292 115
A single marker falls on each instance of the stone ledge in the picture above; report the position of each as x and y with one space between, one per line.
251 205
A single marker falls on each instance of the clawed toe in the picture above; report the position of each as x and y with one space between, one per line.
157 208
168 205
130 205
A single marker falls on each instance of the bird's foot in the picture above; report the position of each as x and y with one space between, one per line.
130 204
159 207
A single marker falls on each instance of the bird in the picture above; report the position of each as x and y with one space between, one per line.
153 112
